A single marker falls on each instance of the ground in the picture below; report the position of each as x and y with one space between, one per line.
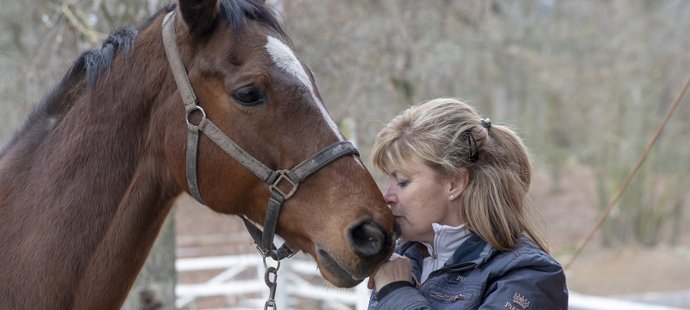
568 216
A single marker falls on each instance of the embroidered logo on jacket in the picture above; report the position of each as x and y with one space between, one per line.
518 299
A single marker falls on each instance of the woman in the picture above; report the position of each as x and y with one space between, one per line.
458 190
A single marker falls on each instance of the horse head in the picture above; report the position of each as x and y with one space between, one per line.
251 94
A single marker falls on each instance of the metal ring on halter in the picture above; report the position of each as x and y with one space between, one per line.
192 110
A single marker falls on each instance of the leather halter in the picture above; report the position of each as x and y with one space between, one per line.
273 178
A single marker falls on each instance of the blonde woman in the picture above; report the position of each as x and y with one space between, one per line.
458 189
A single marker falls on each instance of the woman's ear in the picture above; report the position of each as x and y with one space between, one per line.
458 183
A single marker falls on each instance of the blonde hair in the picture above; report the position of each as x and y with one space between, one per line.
448 135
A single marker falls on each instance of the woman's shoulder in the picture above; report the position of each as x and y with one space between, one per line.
527 255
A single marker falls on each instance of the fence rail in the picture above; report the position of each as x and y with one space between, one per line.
242 276
299 282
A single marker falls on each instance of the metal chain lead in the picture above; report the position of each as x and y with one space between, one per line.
271 279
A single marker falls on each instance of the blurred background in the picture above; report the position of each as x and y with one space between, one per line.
585 83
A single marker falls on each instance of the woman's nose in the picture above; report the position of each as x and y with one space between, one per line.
389 196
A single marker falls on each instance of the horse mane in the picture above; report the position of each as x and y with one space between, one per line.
84 73
96 61
88 67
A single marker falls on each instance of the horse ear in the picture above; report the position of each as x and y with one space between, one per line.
199 15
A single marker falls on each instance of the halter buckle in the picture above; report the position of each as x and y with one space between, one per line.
283 175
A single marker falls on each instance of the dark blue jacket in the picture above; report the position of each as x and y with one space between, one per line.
478 276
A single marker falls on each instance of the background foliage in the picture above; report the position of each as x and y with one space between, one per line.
585 82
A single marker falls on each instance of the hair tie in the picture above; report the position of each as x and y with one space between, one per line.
486 122
472 145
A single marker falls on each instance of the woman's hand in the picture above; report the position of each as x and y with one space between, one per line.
397 268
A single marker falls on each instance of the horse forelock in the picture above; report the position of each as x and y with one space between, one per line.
236 12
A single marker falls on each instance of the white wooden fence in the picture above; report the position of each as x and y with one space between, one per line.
300 286
241 277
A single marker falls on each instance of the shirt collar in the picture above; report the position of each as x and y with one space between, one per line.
447 239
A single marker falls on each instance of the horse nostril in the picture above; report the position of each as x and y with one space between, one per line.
367 239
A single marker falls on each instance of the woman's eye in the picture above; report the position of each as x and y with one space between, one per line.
403 183
250 96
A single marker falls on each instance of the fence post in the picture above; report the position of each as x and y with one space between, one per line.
362 292
154 287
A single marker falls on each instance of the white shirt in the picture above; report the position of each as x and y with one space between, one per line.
447 239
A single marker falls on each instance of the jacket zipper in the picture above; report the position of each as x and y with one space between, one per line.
455 268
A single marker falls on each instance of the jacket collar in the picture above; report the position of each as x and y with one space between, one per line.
473 252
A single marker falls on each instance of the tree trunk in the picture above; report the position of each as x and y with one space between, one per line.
154 288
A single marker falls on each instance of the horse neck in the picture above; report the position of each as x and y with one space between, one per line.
85 200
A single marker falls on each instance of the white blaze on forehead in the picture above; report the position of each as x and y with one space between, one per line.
286 60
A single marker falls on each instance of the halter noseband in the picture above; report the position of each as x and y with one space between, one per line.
273 178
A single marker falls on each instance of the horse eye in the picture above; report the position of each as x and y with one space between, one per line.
250 96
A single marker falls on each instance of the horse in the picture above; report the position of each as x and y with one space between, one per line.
218 110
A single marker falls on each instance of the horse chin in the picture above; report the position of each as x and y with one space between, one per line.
334 272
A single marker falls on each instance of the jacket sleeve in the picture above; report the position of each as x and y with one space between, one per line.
403 298
534 283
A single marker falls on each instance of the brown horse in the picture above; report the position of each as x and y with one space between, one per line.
86 183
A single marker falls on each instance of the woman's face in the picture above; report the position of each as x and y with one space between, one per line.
419 197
